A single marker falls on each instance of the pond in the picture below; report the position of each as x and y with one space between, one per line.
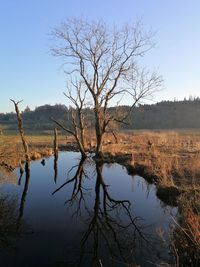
72 212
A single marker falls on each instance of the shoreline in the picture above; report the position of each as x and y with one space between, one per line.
170 161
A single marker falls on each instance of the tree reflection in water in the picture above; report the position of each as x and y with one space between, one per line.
10 215
112 234
55 167
24 193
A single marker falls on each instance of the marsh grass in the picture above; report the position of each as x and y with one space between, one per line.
185 231
174 157
12 154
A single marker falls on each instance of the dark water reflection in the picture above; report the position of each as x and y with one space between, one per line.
78 213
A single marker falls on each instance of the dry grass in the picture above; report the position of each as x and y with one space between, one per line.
185 236
11 150
174 157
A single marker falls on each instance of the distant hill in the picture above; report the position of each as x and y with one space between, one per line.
38 120
167 115
163 115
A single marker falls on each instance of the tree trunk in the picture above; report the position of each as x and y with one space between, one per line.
98 130
82 132
21 131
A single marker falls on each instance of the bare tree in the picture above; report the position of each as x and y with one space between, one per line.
21 131
76 94
105 61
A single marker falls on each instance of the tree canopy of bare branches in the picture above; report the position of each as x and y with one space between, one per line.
104 61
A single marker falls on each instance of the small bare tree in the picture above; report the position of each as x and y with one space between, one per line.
76 94
21 131
105 61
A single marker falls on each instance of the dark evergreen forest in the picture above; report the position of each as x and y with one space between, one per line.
163 115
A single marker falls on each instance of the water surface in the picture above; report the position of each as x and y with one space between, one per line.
78 213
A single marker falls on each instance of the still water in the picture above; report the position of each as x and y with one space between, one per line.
78 213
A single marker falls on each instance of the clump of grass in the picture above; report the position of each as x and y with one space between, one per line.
185 236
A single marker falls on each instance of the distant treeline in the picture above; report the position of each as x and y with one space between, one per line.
163 115
167 115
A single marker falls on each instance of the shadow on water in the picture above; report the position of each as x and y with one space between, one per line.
98 216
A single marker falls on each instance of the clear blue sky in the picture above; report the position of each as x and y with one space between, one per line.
28 70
